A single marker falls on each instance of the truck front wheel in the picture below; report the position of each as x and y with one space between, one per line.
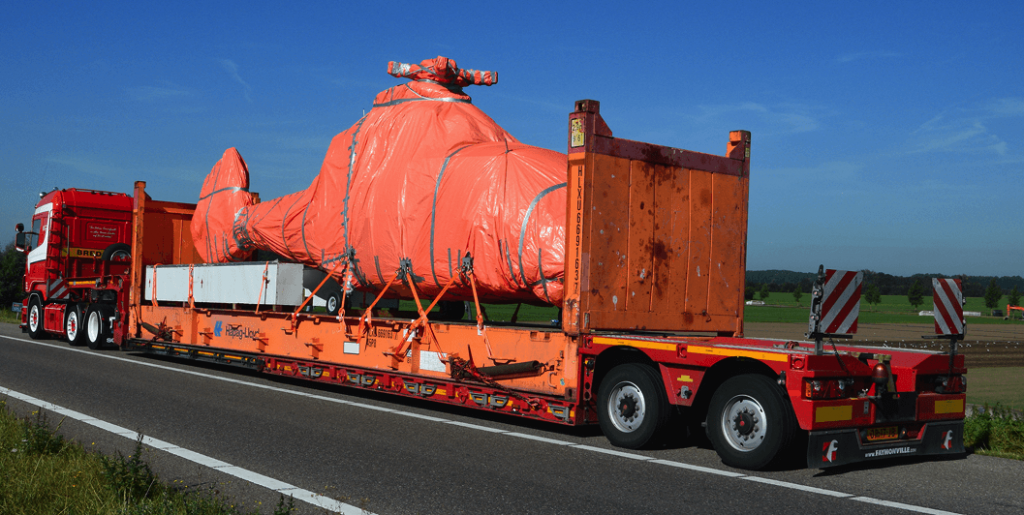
631 406
95 330
35 319
73 326
750 422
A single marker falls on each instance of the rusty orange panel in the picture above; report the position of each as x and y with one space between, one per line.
699 263
640 268
671 242
681 264
610 234
576 234
168 237
729 235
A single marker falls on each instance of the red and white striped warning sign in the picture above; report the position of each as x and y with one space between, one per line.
840 305
948 298
57 289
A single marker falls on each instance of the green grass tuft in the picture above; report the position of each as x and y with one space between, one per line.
996 431
42 473
10 317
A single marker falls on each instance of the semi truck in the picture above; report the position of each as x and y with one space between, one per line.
650 331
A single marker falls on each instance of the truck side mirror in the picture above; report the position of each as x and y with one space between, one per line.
19 239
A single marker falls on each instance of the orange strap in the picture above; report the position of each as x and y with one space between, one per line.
191 301
263 284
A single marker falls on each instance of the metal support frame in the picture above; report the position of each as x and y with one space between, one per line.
814 325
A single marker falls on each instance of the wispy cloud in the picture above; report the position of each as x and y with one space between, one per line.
1006 107
966 130
156 93
232 69
860 56
787 119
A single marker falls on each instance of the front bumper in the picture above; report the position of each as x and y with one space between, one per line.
831 448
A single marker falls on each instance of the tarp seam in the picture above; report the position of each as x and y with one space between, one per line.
433 211
348 183
522 230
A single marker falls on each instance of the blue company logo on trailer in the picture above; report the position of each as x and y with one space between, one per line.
216 329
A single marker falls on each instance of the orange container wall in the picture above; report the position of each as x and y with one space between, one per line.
656 236
160 235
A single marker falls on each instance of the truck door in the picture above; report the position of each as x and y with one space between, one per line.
35 262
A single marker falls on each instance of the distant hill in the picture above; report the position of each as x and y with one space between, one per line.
785 280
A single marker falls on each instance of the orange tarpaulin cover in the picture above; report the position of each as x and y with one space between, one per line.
424 179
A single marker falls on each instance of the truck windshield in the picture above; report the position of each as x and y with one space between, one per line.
32 240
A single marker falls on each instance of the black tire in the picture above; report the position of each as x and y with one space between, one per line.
35 319
73 327
95 327
632 407
333 303
750 422
117 252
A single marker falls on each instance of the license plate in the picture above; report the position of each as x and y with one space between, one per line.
883 433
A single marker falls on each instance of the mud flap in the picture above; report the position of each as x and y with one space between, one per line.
843 446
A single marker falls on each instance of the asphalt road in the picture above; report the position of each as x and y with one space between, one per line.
393 455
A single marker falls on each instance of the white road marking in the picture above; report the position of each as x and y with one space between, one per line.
538 438
247 475
899 505
698 468
613 452
676 464
795 486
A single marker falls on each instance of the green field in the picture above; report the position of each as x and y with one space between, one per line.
893 309
1001 385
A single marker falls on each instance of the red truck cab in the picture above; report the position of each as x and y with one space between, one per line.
77 248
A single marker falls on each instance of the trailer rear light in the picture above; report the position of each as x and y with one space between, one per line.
827 388
951 384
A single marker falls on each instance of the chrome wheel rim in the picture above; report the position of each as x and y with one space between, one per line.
744 423
627 407
33 318
71 328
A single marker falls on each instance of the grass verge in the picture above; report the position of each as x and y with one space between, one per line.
995 432
43 473
9 316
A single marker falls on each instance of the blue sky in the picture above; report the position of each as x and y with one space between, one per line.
886 136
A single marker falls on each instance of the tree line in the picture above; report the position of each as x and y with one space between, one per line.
12 275
916 287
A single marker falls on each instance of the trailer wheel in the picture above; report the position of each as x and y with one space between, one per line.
631 406
333 303
73 325
35 319
750 421
95 328
117 252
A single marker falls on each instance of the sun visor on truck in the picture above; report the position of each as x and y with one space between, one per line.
423 180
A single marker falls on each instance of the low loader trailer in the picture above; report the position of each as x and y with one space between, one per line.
651 327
